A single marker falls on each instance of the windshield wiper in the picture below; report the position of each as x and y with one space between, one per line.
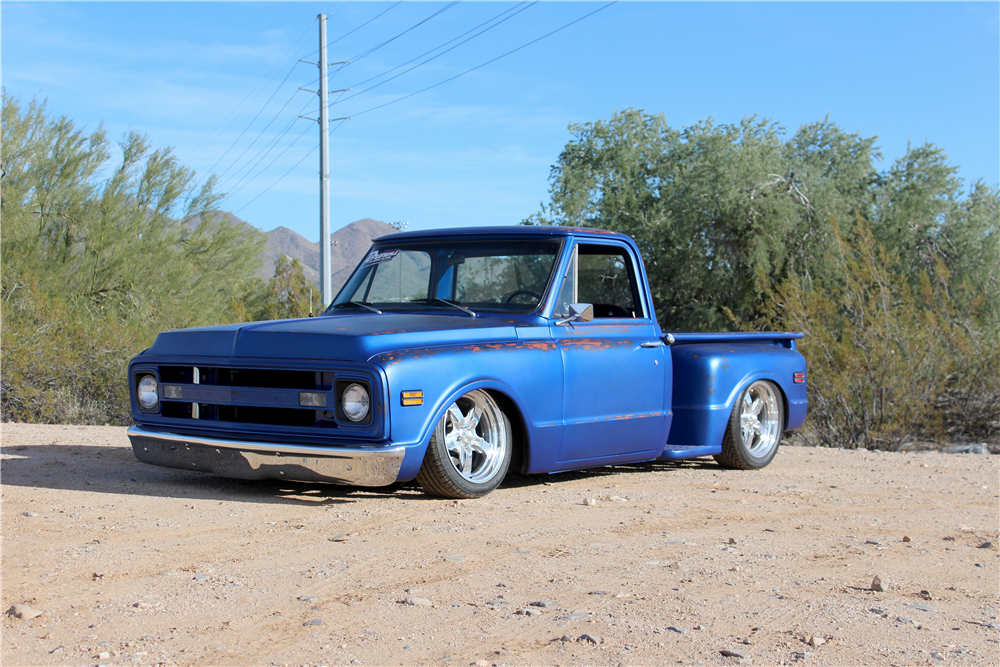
453 304
360 304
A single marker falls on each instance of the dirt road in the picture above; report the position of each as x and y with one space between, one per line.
650 564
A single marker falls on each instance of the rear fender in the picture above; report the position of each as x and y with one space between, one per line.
709 378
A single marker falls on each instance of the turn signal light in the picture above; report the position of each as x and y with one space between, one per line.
412 398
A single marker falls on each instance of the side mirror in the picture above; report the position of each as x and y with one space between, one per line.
578 312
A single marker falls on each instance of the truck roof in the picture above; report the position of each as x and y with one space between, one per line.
522 231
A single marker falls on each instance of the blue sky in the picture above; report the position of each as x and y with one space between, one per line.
478 150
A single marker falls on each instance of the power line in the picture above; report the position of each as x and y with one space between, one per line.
267 149
362 92
413 27
388 41
254 120
259 135
223 125
287 172
237 188
358 57
263 153
404 97
350 32
481 65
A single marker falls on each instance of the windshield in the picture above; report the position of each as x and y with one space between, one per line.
479 275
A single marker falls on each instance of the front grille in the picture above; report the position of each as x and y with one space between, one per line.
246 395
241 377
245 414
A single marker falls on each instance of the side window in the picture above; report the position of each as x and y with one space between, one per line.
606 279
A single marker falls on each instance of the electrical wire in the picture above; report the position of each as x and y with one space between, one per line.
223 125
264 152
282 177
254 120
259 135
271 146
362 92
481 65
413 27
404 97
369 51
388 41
268 165
350 32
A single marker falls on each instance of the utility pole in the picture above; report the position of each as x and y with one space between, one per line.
324 164
324 170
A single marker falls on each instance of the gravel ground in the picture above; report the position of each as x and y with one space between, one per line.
653 564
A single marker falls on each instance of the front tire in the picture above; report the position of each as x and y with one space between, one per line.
755 428
470 449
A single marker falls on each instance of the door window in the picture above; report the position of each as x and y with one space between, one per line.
603 276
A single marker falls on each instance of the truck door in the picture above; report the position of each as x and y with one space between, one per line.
616 370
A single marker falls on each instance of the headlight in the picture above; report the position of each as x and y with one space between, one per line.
355 402
146 393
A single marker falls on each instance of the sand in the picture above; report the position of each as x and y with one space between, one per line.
651 564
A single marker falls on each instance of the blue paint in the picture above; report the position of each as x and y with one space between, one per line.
579 395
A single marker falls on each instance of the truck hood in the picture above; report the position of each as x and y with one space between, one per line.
347 337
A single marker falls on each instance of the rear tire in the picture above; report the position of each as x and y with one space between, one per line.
470 449
755 428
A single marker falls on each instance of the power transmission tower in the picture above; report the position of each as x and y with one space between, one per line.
324 162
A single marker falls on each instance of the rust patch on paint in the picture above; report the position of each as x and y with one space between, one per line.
387 359
586 343
594 343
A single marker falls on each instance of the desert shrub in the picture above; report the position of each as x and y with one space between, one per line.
98 258
63 366
890 361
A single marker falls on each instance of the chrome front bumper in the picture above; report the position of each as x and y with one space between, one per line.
244 459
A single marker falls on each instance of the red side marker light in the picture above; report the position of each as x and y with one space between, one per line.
798 378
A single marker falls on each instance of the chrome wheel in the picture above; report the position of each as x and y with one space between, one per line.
760 419
755 427
475 436
470 449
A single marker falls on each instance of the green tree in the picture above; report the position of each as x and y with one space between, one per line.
738 225
287 295
710 205
145 241
99 257
889 363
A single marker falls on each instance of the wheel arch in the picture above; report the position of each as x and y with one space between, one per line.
748 380
519 455
513 407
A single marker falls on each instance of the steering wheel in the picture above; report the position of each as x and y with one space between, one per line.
509 297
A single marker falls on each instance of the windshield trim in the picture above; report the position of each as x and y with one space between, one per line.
385 244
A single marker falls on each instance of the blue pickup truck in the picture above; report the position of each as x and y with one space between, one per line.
453 356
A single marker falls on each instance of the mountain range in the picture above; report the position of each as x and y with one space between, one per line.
347 247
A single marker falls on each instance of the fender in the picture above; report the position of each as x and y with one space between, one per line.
533 386
709 377
415 453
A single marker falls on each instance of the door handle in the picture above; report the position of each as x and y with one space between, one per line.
652 343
